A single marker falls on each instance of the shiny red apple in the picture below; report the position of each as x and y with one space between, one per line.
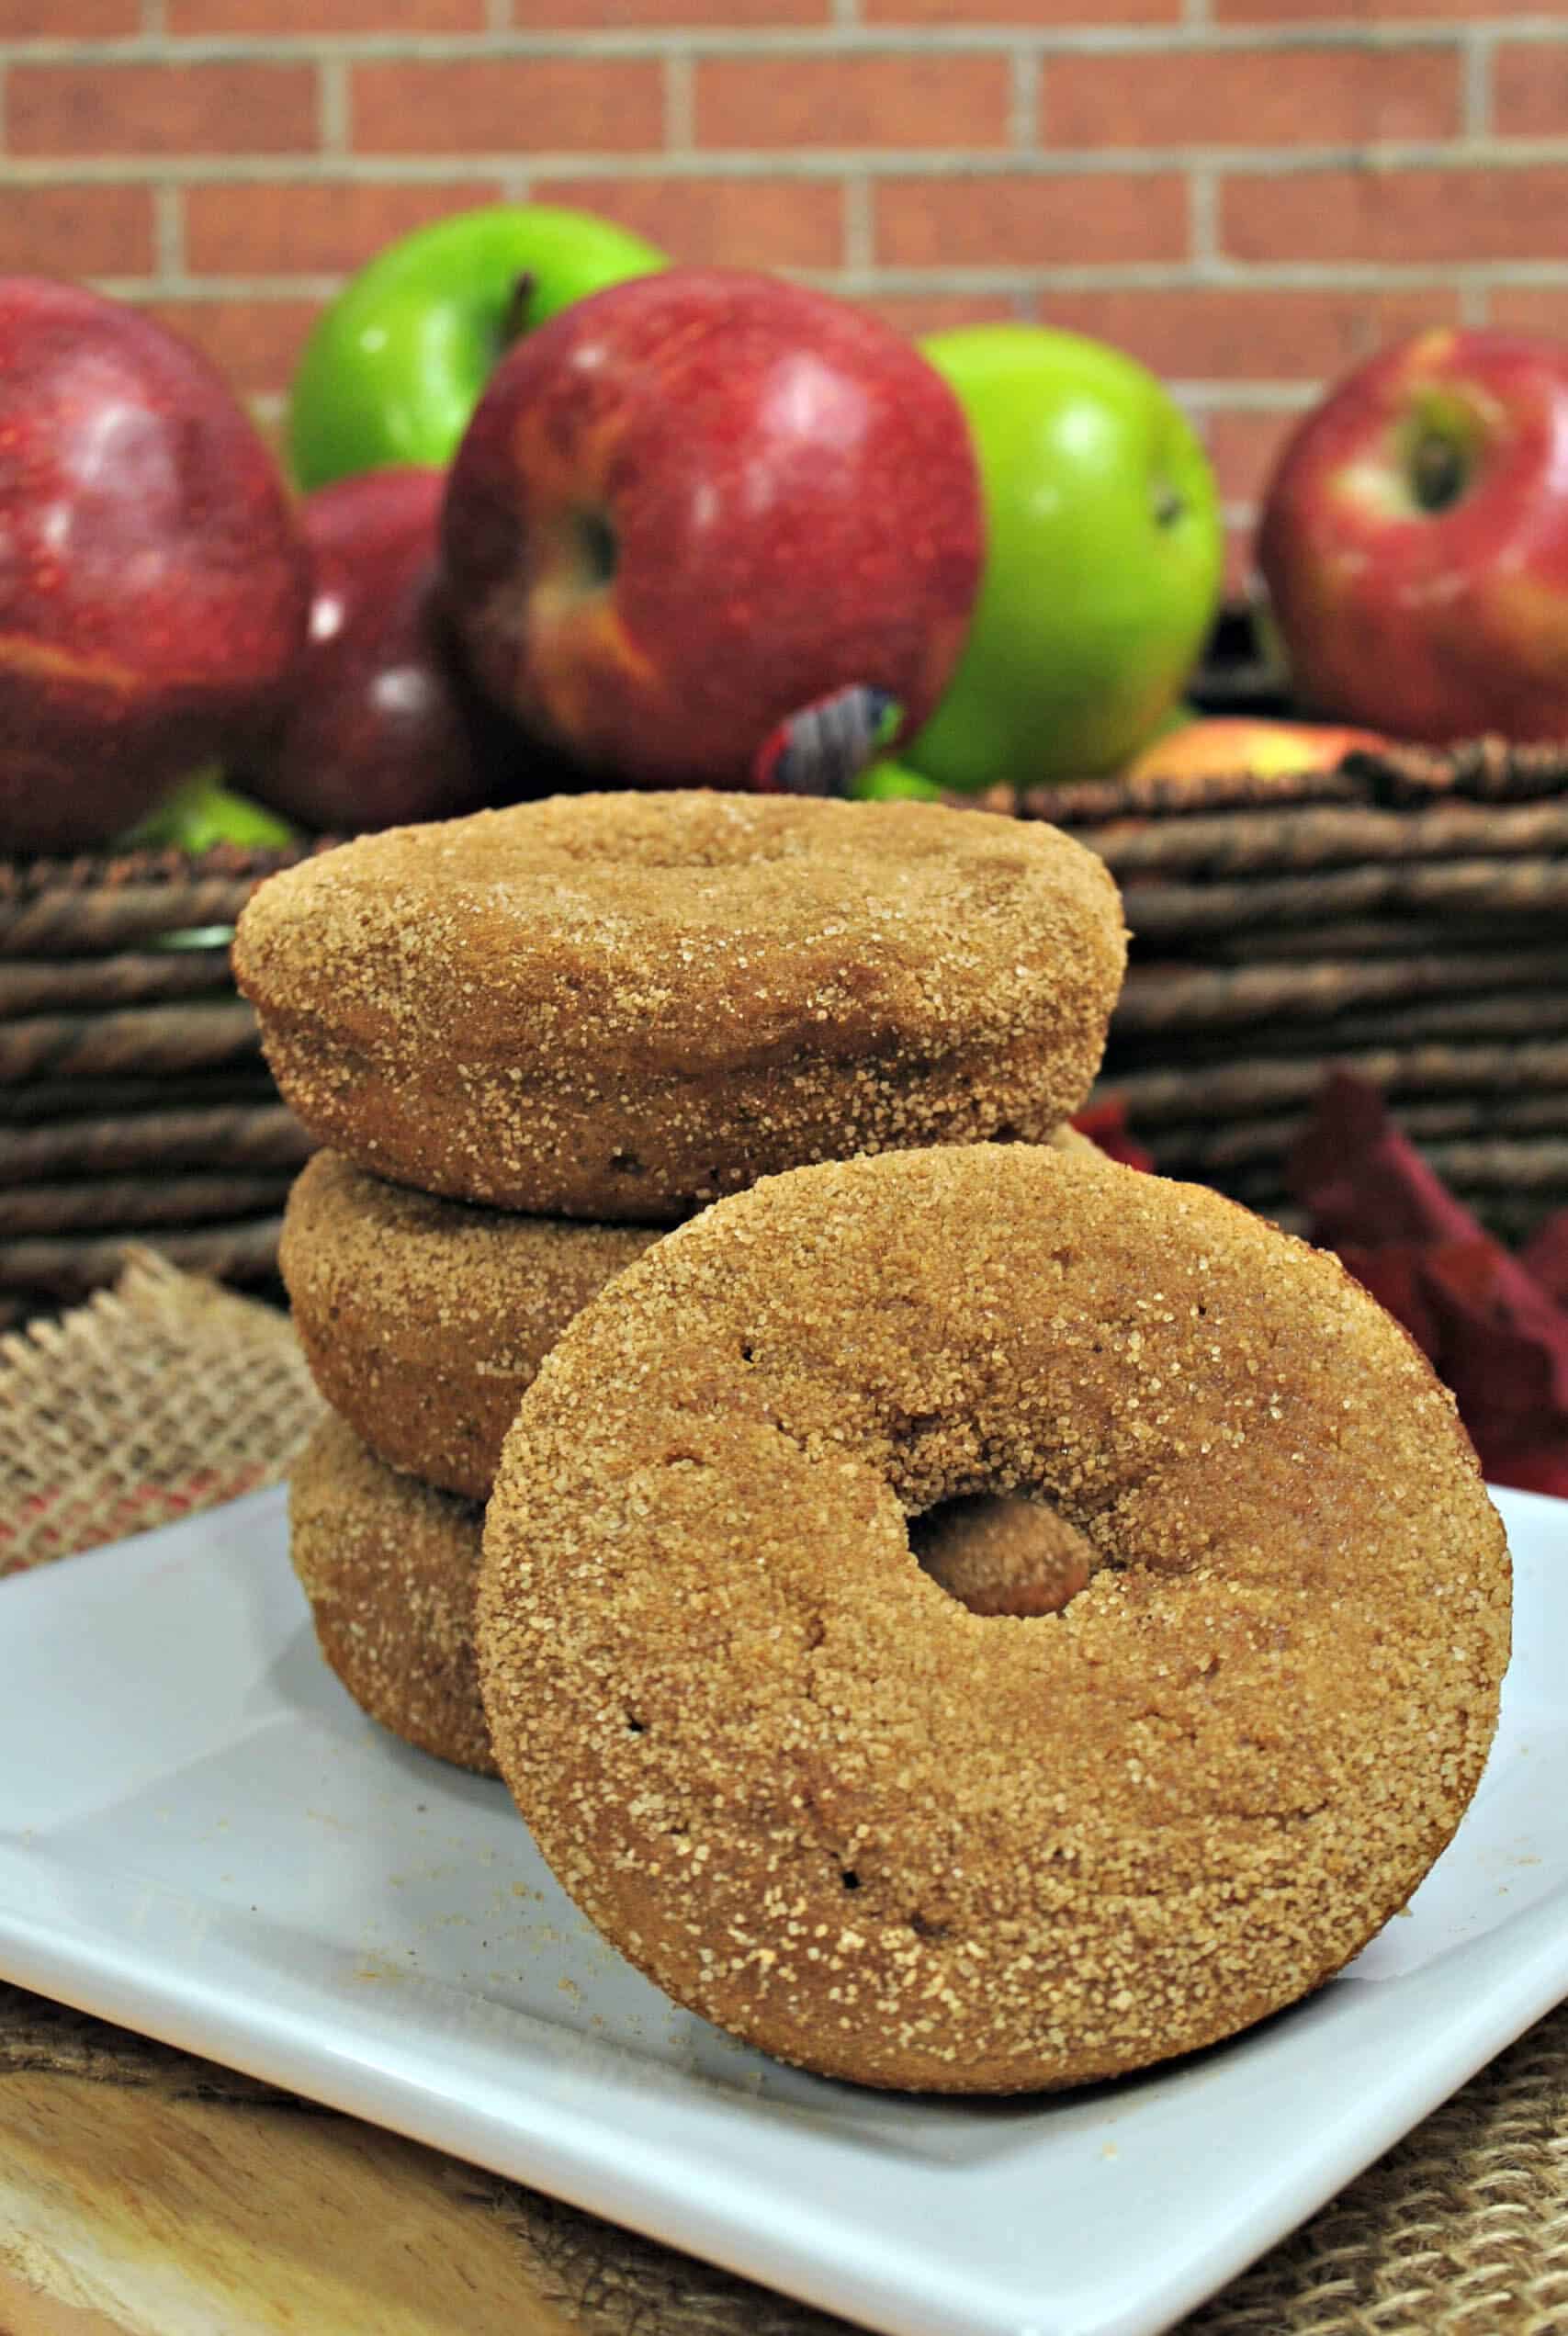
693 504
153 582
1415 541
383 726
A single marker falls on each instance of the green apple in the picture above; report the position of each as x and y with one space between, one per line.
394 367
1104 558
202 812
889 782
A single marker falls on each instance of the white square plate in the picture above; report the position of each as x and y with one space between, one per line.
201 1836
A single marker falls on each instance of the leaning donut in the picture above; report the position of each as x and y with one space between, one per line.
620 1006
389 1567
824 1805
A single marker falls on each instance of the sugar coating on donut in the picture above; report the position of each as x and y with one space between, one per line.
623 1006
424 1320
389 1567
825 1806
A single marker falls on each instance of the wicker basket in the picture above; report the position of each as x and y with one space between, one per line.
1402 917
134 1104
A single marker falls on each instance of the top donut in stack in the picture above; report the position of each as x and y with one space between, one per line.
622 1007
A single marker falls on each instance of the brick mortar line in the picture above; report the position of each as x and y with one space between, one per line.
1476 69
828 40
1024 98
440 165
1348 276
168 231
334 109
680 105
1203 218
869 280
859 240
1279 396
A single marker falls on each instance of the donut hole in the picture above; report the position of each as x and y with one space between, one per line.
1013 1556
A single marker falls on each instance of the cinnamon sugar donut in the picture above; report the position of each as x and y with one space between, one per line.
424 1320
389 1567
822 1803
621 1006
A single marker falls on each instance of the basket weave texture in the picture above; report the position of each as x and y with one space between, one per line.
133 1097
1401 918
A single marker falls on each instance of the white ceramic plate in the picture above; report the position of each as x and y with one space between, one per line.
202 1837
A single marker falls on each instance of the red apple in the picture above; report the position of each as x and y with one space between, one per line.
153 583
382 725
690 505
1415 541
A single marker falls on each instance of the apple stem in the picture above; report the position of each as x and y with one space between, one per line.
514 321
1436 471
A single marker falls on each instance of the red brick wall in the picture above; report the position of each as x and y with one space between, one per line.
1246 193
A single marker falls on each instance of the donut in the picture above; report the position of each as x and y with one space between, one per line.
825 1806
424 1320
389 1566
621 1007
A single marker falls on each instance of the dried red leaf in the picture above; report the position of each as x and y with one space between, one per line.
1106 1124
1545 1256
1489 1322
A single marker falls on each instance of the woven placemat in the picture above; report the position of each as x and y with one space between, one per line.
163 1394
167 1394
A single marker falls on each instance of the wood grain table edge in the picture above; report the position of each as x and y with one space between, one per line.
126 2211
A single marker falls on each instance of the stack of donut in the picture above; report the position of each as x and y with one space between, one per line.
560 1029
694 1193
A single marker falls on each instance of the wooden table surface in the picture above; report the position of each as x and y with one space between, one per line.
126 2212
144 2191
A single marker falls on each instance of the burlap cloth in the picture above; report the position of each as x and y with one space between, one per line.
167 1394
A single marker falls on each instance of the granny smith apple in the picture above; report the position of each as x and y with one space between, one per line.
202 812
888 782
394 367
1104 560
